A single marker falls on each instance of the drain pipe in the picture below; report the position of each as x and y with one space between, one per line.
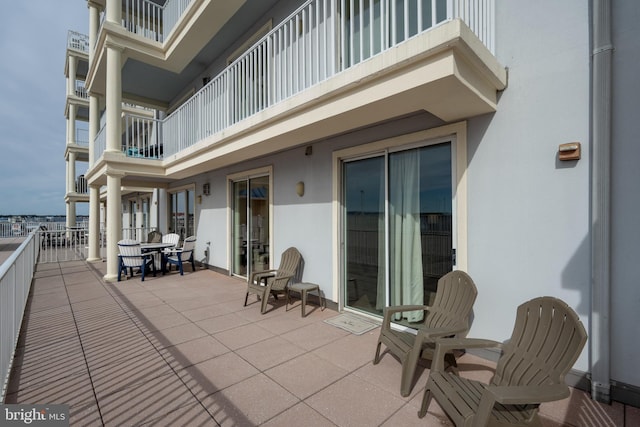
601 81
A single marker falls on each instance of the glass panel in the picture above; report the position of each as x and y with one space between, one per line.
239 266
190 213
365 234
420 226
259 223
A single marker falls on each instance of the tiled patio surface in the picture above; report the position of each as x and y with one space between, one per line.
183 351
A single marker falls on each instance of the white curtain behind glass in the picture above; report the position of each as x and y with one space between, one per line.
404 232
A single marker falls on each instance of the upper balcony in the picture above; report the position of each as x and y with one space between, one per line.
331 66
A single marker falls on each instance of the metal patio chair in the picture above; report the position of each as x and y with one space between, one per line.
546 341
447 317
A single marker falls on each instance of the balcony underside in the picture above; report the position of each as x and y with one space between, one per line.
446 72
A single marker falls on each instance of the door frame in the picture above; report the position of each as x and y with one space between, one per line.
457 132
239 176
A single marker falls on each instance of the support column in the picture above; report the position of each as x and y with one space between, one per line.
94 224
71 124
94 127
114 98
71 188
72 75
94 26
114 224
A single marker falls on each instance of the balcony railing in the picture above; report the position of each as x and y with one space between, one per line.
81 90
77 41
16 274
151 20
319 40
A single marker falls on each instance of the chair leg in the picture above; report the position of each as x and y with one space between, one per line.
426 400
376 358
246 297
265 297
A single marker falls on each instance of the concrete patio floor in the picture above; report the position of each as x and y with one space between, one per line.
183 351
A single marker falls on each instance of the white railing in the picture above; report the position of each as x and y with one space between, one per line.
81 90
151 20
82 137
479 15
77 41
140 234
319 40
100 143
142 137
16 274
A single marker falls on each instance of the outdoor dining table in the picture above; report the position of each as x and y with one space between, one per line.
157 247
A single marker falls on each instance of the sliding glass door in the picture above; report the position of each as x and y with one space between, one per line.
250 225
398 226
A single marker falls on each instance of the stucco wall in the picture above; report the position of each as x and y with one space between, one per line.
625 196
528 212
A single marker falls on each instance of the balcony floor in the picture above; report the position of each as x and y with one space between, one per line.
178 350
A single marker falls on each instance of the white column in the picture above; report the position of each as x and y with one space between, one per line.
72 75
114 98
114 224
71 124
94 126
94 224
94 26
71 185
114 11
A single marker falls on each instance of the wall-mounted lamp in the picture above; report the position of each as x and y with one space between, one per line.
300 188
199 199
569 151
206 189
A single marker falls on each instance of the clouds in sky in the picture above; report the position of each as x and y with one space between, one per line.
33 41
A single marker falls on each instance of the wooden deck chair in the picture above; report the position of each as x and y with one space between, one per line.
274 282
447 317
546 341
131 257
181 255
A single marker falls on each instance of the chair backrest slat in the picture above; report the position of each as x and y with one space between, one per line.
131 252
546 341
171 238
289 264
454 299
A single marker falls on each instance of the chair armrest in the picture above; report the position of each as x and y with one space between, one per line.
514 395
430 334
528 394
446 345
390 311
263 273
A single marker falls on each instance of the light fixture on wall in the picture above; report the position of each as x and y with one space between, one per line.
199 199
300 188
569 151
206 189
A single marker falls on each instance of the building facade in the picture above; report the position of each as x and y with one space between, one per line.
390 141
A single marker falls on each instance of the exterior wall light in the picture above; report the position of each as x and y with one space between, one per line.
569 151
300 188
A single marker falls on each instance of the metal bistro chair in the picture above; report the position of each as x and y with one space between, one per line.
131 257
447 317
546 341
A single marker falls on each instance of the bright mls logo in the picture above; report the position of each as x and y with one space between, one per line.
34 415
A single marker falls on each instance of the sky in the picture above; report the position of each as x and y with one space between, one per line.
33 40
